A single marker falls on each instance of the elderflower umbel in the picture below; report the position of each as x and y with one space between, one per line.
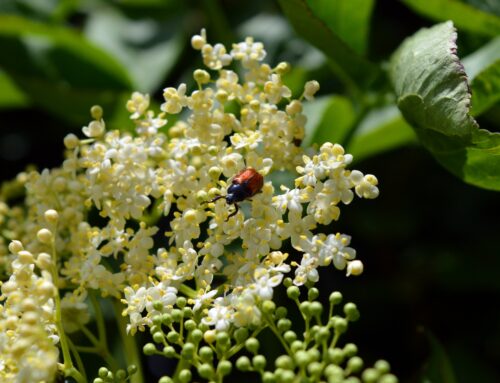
153 192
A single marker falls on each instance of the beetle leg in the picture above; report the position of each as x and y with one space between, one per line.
233 213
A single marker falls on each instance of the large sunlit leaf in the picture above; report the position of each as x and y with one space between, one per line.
10 95
349 19
483 69
381 130
463 15
348 65
328 119
433 96
147 48
58 69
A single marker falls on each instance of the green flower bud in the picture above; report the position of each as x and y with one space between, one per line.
206 354
243 363
284 324
316 308
187 312
259 362
388 378
314 354
185 376
287 282
188 350
335 298
293 292
284 362
176 315
96 112
252 345
302 358
196 335
312 294
222 338
370 375
340 325
103 371
201 76
132 369
121 374
148 349
355 364
335 355
296 346
158 306
241 334
224 367
351 312
98 380
290 336
287 376
206 371
169 351
352 379
190 325
315 368
350 349
166 319
181 302
268 377
322 334
305 308
334 373
166 379
158 337
156 324
173 336
281 312
154 329
268 307
382 366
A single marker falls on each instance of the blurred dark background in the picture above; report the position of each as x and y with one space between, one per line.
429 242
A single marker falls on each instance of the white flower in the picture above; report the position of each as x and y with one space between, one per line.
220 316
248 52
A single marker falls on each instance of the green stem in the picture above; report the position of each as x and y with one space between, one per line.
131 352
187 291
68 367
274 329
78 359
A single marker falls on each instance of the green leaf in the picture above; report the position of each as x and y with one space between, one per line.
10 96
147 48
328 119
464 16
438 368
348 65
433 96
483 68
381 130
58 69
349 19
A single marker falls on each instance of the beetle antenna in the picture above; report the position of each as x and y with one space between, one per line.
215 199
233 213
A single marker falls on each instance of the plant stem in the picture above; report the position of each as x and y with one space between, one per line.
130 351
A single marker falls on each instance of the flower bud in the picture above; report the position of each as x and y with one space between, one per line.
169 351
15 246
355 364
351 312
96 112
224 367
310 89
259 362
243 363
355 268
206 371
201 76
149 349
51 216
25 257
44 236
335 298
71 141
252 345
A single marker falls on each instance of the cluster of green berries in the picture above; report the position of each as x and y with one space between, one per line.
120 376
312 356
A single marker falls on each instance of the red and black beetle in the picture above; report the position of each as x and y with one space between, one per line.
245 184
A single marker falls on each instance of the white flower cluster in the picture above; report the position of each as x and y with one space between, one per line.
27 331
136 221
